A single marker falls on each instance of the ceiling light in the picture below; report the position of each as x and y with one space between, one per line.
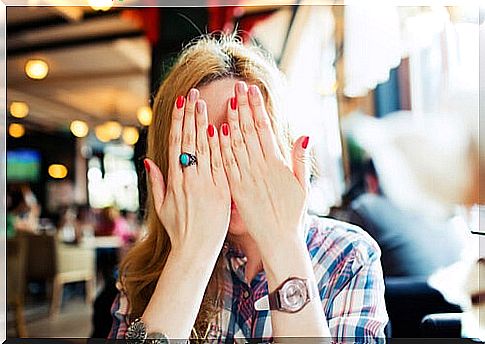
144 115
102 133
19 109
114 129
57 171
130 135
16 130
36 69
79 128
101 5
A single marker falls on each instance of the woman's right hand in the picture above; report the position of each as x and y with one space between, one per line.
194 203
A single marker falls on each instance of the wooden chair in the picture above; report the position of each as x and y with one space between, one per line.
74 264
53 261
16 258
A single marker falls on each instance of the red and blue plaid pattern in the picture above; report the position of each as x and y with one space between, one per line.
349 274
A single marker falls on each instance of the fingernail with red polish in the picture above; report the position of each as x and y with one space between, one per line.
233 103
225 129
304 143
210 130
180 102
147 165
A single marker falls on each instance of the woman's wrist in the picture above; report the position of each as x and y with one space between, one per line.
195 256
286 258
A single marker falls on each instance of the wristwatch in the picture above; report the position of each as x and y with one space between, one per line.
290 297
137 334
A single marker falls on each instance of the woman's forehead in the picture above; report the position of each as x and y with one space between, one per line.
216 95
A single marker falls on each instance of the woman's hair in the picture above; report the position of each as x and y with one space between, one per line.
204 60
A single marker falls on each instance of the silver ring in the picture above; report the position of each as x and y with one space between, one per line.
187 159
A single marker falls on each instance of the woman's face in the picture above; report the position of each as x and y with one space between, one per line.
216 95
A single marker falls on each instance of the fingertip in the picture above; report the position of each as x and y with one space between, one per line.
193 95
179 103
146 163
200 107
225 130
241 88
305 141
233 103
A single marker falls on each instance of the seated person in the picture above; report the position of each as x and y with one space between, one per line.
411 244
230 252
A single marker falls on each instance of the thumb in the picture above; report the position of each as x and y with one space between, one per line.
156 182
299 156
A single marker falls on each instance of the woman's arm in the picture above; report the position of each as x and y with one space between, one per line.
194 209
310 321
178 295
271 197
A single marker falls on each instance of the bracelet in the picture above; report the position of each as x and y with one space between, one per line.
137 334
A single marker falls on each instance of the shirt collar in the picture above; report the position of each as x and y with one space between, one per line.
237 260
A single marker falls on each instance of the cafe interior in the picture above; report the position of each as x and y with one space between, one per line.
392 113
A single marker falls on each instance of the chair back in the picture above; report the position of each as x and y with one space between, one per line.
41 256
16 259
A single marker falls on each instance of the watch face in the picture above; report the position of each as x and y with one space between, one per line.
293 295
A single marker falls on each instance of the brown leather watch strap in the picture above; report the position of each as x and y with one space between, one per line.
274 299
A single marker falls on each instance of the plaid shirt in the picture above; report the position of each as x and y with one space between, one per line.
349 276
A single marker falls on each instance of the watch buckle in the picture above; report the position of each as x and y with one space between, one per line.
262 304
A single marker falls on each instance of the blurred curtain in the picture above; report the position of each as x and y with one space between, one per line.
372 45
311 102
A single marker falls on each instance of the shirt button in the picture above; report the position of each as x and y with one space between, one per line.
246 294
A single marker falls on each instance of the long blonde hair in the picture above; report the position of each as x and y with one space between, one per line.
206 59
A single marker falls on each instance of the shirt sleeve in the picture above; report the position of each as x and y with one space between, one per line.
119 312
346 262
358 308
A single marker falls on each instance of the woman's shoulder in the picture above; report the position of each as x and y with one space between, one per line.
330 237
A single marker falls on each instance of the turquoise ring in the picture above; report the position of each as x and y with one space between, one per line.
187 159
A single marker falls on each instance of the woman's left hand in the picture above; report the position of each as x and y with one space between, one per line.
269 195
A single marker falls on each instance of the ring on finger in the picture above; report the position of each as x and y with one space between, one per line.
187 159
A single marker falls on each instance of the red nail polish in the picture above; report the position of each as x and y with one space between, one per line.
180 102
210 130
304 143
233 103
225 129
147 165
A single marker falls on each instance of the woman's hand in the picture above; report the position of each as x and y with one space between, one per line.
269 195
194 208
194 204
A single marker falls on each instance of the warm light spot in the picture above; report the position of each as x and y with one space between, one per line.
101 5
16 130
130 135
36 69
19 109
57 171
114 129
144 115
79 128
102 133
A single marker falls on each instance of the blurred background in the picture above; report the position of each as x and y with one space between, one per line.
392 111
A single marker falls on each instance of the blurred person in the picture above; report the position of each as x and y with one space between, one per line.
225 209
105 224
85 222
23 210
132 225
407 239
67 225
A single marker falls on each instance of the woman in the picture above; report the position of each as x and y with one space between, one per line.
227 228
